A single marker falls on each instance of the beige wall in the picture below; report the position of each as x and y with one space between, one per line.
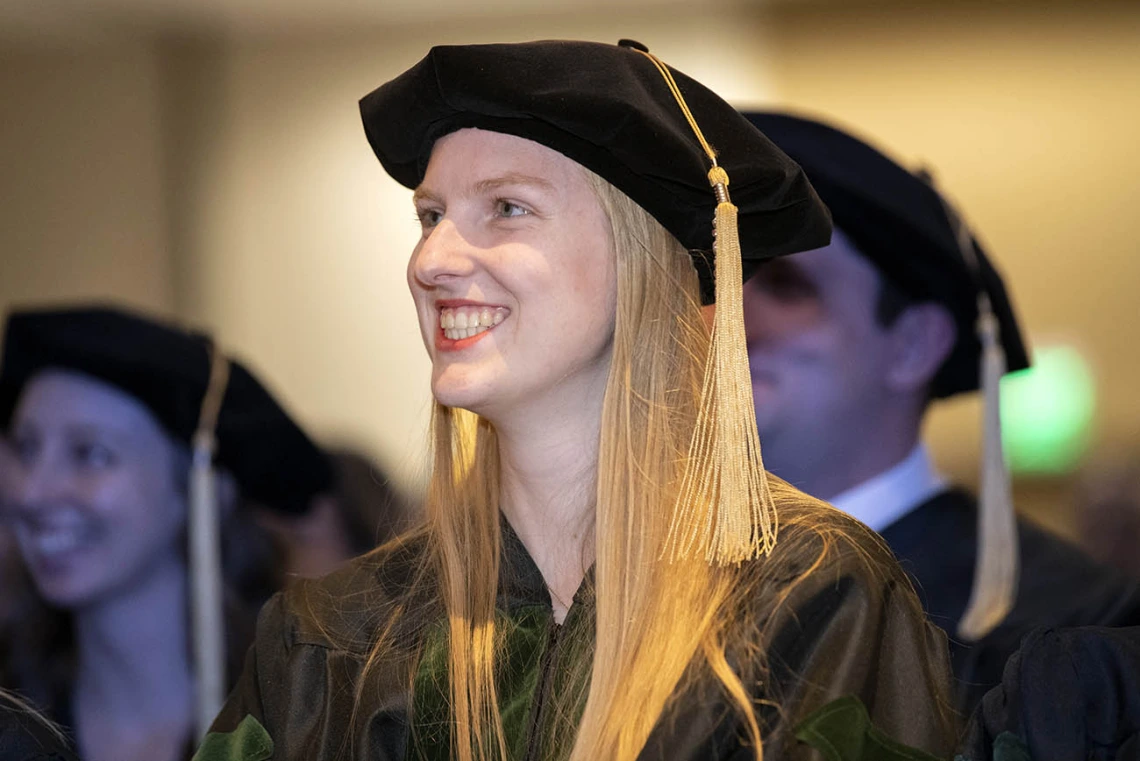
230 183
81 190
1030 118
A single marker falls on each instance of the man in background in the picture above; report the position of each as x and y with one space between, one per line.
850 344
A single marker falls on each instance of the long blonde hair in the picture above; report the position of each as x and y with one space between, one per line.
655 619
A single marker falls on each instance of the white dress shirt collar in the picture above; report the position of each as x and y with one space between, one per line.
883 499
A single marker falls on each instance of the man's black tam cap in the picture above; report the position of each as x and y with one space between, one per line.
608 108
898 221
167 369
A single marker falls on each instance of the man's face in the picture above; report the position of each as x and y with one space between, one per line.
818 357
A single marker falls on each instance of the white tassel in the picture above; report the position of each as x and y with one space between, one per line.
208 624
206 586
996 569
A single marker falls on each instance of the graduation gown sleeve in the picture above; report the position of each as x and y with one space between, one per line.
861 637
852 628
297 696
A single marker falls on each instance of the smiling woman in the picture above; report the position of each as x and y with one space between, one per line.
599 575
511 229
100 407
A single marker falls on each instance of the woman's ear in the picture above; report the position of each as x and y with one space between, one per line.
922 337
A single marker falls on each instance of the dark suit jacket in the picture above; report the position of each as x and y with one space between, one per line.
1059 586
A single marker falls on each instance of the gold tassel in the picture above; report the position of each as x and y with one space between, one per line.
205 554
724 511
996 568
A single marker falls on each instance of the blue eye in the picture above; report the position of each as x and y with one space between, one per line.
506 208
428 218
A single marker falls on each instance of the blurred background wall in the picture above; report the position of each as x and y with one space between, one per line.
205 160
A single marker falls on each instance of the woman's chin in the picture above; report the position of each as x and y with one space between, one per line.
66 593
460 402
460 393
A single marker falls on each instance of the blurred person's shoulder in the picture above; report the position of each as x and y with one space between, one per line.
26 736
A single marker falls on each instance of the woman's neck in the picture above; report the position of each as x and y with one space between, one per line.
547 491
134 669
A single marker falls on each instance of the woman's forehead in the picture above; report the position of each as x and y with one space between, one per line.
64 397
483 155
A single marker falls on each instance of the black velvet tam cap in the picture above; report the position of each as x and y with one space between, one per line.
897 220
167 369
608 108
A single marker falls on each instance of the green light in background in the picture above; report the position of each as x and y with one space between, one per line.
1047 412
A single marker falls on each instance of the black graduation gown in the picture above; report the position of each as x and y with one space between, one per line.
852 628
1059 586
24 738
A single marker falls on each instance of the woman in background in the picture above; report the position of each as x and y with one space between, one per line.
599 575
99 406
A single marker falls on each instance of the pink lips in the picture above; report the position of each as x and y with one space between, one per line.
443 343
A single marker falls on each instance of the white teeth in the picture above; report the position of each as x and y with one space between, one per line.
463 322
55 541
457 333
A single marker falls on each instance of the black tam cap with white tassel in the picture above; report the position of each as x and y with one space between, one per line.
899 222
996 568
232 421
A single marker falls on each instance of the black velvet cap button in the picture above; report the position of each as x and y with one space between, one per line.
897 220
167 369
608 108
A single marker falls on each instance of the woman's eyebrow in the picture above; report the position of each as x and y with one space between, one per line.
489 185
423 194
112 432
514 178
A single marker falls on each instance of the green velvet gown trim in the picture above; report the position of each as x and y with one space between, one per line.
247 742
842 731
1007 747
532 649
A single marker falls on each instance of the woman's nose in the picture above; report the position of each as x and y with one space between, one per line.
444 255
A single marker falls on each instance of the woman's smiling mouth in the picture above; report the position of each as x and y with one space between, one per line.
461 322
